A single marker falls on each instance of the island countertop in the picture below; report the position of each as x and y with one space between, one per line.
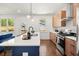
17 41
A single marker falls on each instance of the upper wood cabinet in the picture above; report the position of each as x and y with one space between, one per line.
74 11
56 22
59 19
63 14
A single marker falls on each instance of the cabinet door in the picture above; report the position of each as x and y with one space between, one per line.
63 18
74 9
63 14
56 21
53 37
70 47
63 23
73 47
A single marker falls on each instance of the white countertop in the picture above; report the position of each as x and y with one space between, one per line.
17 41
71 37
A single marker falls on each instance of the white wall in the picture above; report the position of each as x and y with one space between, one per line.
48 21
19 19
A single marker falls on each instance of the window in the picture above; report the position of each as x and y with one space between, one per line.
3 25
7 24
11 24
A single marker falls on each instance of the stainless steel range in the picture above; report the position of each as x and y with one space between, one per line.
60 43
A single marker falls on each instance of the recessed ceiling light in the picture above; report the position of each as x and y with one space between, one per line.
28 16
32 20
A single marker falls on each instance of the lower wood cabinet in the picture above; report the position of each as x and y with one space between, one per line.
70 47
53 37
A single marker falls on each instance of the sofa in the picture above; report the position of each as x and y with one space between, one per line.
6 37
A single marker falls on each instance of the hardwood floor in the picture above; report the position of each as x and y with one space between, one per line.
49 48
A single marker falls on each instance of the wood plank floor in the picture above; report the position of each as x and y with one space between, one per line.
47 48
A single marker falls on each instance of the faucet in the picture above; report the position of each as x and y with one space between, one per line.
32 29
29 34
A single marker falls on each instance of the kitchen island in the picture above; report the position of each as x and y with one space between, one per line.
19 46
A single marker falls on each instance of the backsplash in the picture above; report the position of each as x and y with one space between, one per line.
72 28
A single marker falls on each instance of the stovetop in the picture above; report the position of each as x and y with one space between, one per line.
65 34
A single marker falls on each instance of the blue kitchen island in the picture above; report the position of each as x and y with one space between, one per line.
21 47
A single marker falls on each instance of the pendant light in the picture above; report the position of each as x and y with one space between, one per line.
30 13
28 16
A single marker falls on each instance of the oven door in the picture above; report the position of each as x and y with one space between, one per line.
61 43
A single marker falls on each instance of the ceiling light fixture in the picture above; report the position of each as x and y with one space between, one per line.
28 16
30 13
32 20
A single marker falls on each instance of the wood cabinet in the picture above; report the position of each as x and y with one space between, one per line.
53 40
63 14
70 47
53 37
63 23
74 10
59 20
56 21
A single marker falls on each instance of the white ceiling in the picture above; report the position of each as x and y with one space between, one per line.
24 8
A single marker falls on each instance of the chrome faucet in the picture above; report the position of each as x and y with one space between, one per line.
32 31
